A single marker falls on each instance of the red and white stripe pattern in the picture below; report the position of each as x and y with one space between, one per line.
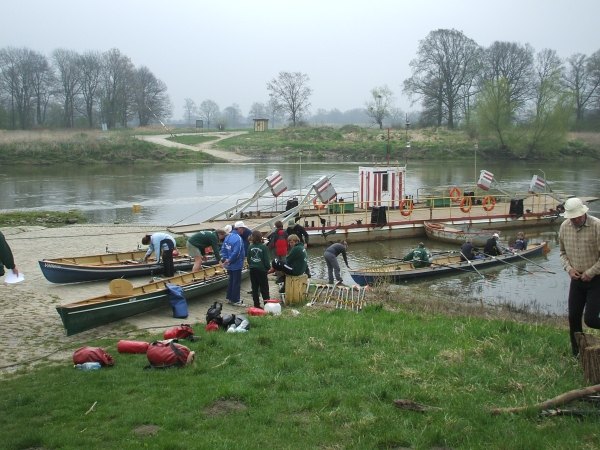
276 183
537 184
485 180
325 190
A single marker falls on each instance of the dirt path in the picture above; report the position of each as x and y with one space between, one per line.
29 324
161 139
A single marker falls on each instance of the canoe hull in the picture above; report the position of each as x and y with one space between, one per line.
92 313
389 274
442 232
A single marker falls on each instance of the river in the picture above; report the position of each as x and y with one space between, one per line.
191 193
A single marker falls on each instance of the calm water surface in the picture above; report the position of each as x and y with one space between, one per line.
192 193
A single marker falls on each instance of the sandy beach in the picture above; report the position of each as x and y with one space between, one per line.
30 326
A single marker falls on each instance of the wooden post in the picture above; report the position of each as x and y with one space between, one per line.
589 353
295 289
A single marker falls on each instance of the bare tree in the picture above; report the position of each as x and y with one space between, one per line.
274 110
447 61
290 89
89 73
233 114
25 80
378 108
65 63
258 111
578 81
190 110
512 62
117 87
208 110
151 98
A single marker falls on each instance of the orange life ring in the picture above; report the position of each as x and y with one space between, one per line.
465 204
492 202
406 212
454 194
318 205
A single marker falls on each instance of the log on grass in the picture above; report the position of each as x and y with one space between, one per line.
589 353
554 402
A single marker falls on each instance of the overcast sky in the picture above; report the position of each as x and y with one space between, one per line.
227 50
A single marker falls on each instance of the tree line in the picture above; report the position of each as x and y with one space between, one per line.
522 100
70 89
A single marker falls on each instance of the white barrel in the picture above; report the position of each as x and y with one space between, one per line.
272 307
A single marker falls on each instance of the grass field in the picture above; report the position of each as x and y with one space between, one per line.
316 378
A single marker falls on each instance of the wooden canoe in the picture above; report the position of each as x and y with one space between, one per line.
443 265
108 266
94 312
453 234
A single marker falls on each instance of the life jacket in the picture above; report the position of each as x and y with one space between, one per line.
281 245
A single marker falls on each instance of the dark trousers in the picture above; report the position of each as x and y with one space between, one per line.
167 258
259 281
584 301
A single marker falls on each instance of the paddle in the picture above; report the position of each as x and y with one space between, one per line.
513 265
475 269
460 268
120 287
528 260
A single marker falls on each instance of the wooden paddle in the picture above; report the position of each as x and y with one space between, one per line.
513 265
460 268
535 264
120 287
475 268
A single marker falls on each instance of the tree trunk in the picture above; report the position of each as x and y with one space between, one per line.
589 352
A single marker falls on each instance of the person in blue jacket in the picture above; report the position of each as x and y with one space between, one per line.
233 255
157 242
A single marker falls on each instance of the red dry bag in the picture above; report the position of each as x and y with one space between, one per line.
132 346
92 354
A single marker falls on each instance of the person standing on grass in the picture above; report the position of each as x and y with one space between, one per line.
579 243
157 242
259 262
6 257
333 266
198 243
232 257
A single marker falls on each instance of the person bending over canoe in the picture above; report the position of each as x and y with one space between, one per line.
418 256
157 242
491 246
468 250
333 266
200 241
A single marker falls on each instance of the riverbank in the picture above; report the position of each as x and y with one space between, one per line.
31 327
319 143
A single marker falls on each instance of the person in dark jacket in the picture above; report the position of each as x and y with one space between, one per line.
521 242
6 257
418 256
259 262
491 246
200 241
467 249
278 242
333 266
300 231
244 233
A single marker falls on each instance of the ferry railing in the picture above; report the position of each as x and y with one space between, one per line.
353 212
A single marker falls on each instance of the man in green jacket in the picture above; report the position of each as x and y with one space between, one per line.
199 242
6 257
419 256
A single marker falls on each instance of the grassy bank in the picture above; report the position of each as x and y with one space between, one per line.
317 379
50 219
356 144
114 147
